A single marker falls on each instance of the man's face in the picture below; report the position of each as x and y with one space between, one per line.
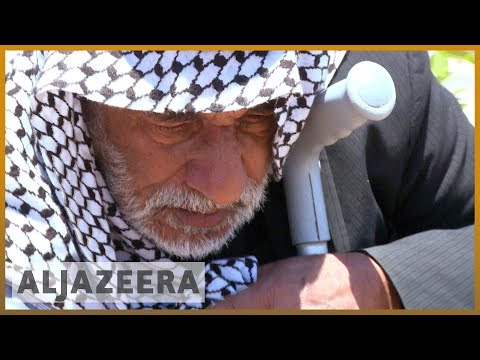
186 181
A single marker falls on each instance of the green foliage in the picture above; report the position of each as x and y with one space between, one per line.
439 65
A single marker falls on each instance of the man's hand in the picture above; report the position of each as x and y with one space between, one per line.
331 281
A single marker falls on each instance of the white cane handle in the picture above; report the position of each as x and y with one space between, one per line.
368 93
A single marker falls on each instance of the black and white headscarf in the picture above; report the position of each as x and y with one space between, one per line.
58 207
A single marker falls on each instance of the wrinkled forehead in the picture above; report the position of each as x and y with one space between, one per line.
95 111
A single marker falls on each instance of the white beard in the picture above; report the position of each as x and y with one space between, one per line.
194 242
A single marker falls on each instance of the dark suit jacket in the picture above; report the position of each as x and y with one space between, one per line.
401 189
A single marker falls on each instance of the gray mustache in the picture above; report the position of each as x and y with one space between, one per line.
192 200
189 200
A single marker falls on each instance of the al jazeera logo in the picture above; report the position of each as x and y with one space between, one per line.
127 282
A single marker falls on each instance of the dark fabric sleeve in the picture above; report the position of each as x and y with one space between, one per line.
432 269
431 264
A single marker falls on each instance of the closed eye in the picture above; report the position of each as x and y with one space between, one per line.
172 131
256 124
173 126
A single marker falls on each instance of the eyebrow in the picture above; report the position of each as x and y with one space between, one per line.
264 108
170 116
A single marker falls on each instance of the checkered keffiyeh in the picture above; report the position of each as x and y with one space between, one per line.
58 207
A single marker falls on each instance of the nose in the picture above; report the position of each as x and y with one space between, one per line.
217 169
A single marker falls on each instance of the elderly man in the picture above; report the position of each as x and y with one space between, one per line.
140 156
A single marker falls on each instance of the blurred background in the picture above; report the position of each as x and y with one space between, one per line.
456 71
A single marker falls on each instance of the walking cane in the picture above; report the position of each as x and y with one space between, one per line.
368 93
